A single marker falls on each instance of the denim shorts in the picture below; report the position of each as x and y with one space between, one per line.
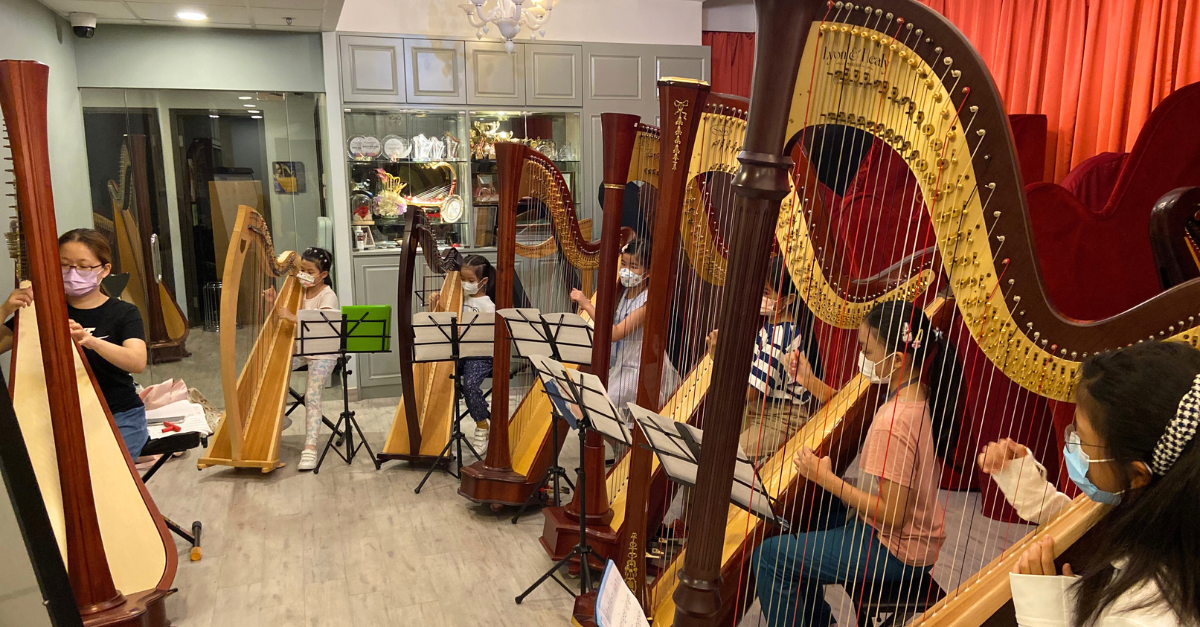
132 423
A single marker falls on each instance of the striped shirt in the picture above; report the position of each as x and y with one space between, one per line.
768 373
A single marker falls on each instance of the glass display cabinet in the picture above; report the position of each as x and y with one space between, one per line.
554 134
402 160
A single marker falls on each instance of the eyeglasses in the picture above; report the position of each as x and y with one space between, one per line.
81 269
1074 444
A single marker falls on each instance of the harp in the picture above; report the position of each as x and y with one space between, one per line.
1175 236
630 154
421 426
250 428
119 555
901 73
137 248
520 446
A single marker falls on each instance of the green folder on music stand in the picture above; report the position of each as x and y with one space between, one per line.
369 328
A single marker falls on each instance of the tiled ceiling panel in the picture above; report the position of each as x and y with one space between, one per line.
306 15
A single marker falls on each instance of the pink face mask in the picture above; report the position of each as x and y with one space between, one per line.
76 283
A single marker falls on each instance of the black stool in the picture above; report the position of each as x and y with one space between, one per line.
298 400
167 447
888 604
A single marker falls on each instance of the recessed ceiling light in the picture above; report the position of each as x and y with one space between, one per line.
213 115
255 111
249 105
256 117
191 16
245 97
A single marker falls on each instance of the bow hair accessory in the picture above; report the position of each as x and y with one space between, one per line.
1181 431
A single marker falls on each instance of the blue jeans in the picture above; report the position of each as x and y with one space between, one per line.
792 571
132 423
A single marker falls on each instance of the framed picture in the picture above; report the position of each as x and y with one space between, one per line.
288 177
569 177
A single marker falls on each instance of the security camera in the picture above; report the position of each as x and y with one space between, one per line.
84 24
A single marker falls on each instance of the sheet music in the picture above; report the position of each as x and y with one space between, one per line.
616 605
188 416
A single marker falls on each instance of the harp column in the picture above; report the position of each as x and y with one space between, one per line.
759 187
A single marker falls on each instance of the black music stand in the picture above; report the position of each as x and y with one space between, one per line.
444 336
677 446
563 337
324 333
580 399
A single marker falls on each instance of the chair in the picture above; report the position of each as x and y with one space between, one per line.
889 604
166 447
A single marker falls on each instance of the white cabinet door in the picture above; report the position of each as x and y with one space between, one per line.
554 76
435 71
372 69
495 76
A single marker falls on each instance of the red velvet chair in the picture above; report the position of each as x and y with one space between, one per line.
1098 219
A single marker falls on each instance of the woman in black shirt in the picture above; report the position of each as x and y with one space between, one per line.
109 330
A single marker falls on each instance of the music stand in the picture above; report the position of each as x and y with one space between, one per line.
677 446
324 333
445 336
564 337
580 399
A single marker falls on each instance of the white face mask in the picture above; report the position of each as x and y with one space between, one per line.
767 308
628 278
470 289
866 367
306 279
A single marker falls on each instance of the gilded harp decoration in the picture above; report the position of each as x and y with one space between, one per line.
895 74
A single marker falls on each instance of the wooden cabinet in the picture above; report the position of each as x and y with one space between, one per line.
553 75
372 69
495 76
436 71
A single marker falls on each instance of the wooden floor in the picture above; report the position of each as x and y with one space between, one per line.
355 547
350 546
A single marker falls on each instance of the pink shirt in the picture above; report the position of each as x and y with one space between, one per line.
899 448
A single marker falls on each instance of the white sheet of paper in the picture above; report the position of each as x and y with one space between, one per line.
192 420
616 605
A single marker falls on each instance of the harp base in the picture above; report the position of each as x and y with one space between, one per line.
560 534
168 352
142 609
415 459
480 484
697 601
265 466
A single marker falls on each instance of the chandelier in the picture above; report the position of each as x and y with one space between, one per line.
509 16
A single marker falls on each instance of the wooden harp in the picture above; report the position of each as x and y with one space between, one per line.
137 248
421 426
119 555
1175 235
520 446
250 428
899 72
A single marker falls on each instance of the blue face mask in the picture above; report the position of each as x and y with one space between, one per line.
1077 469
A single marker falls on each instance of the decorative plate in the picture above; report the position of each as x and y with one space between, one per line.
396 147
452 209
371 147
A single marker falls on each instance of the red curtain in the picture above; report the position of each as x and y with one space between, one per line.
1095 68
732 61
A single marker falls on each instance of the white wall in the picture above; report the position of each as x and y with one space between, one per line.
729 15
612 21
152 57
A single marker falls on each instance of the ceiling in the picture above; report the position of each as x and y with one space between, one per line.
306 15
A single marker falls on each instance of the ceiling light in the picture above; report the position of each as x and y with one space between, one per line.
191 16
256 117
255 111
213 115
509 16
245 97
249 105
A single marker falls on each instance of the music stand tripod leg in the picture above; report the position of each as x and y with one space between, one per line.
457 437
555 471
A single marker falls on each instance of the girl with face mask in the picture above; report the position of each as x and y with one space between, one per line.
478 278
888 527
111 331
313 276
1131 445
626 357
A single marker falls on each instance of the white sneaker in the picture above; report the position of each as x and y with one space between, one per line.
481 439
308 460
